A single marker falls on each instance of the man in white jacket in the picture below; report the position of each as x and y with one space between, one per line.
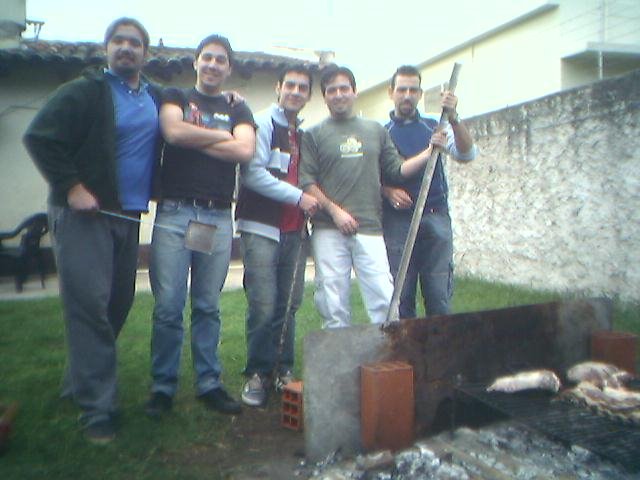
271 218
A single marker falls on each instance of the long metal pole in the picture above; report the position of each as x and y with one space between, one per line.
394 315
300 261
142 222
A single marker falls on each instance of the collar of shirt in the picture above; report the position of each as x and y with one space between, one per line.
115 79
412 118
279 114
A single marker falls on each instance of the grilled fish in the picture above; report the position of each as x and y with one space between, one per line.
598 373
618 403
534 379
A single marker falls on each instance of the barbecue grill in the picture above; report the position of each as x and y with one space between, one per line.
565 422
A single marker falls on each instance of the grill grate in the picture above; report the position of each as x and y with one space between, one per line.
565 422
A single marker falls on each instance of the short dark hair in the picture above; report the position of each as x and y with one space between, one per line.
296 68
407 70
111 30
331 72
218 40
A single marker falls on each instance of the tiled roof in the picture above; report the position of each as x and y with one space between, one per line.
162 62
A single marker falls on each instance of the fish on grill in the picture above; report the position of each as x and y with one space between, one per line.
529 380
599 374
617 403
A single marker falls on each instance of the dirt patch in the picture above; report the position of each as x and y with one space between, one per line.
256 446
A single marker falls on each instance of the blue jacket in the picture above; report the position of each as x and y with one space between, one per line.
411 136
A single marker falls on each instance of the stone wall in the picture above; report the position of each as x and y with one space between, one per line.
553 200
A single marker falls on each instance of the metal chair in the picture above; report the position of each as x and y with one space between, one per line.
22 257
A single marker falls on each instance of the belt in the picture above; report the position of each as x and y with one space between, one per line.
436 210
425 211
203 203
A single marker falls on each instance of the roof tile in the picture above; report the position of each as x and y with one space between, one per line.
163 62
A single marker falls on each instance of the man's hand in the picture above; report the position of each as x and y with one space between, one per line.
234 98
308 204
81 199
344 221
449 103
439 139
397 197
347 225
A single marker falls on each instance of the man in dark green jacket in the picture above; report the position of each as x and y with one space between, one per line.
96 143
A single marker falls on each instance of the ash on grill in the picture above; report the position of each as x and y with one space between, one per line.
505 450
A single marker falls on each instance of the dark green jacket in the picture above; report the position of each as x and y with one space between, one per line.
72 140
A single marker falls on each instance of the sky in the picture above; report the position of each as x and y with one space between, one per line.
372 37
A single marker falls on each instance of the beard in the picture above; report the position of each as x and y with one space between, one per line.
126 65
406 109
126 71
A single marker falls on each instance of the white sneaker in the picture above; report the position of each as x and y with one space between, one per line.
254 392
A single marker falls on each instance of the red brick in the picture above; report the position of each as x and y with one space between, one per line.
387 405
617 348
292 406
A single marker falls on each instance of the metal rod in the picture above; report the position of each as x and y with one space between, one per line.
287 311
137 220
393 315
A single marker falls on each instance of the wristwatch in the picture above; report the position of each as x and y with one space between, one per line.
455 120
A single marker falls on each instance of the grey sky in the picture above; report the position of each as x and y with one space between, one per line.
370 36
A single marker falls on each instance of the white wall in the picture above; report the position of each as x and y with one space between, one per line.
552 201
534 56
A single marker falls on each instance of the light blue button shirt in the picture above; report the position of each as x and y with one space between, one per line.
136 126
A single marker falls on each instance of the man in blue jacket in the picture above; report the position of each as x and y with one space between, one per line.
432 259
96 143
270 216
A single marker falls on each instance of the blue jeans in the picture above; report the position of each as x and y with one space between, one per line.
269 268
431 261
168 270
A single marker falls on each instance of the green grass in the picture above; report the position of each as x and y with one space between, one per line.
46 443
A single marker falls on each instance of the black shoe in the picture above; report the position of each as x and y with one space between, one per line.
100 433
218 399
159 404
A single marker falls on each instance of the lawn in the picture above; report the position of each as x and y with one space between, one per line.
46 443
